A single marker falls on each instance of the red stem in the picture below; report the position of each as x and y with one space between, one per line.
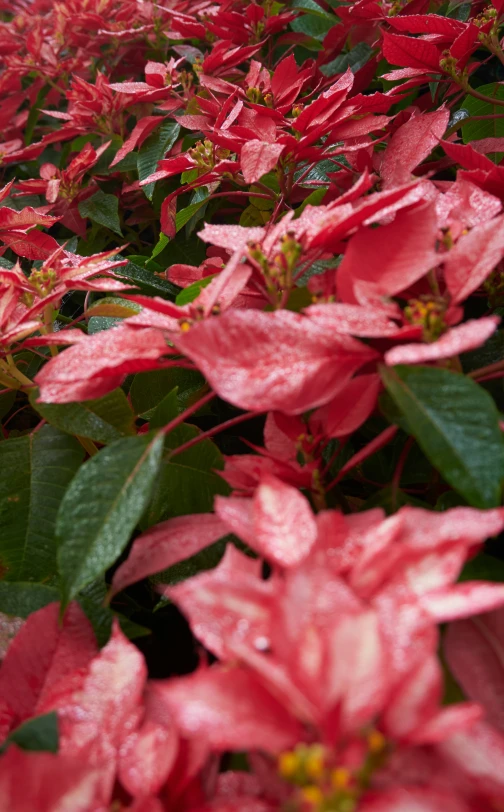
187 413
399 469
210 433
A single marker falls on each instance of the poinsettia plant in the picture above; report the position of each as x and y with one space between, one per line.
251 397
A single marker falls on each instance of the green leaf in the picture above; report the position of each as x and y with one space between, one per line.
459 11
167 410
312 26
315 198
182 217
206 559
92 600
102 507
182 249
385 499
354 59
149 388
147 281
34 474
161 245
153 150
97 324
102 209
483 568
187 483
489 127
252 216
103 420
313 8
191 292
22 598
34 114
456 424
113 306
448 500
7 399
37 735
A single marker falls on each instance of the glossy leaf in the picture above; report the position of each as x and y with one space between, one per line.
102 507
191 292
149 388
153 150
35 471
188 482
146 281
103 420
489 127
38 734
455 423
102 209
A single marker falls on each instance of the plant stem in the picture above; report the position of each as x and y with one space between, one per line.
477 95
14 372
210 433
187 413
488 370
87 445
396 479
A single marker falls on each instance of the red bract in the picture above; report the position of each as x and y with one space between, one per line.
42 655
116 354
251 351
368 574
17 232
308 366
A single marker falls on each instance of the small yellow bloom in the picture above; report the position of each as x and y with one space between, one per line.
288 764
313 795
376 741
340 777
314 764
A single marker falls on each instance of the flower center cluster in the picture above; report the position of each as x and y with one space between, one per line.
322 783
429 312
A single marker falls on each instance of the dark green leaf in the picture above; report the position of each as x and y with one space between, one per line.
92 599
147 281
310 7
101 508
354 59
149 388
459 11
37 735
34 114
456 424
153 150
390 502
103 209
483 568
22 598
7 399
187 483
35 471
206 559
312 26
103 420
488 127
448 500
167 410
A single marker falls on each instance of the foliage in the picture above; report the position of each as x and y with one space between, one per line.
251 366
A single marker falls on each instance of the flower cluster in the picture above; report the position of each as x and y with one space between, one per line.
251 288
